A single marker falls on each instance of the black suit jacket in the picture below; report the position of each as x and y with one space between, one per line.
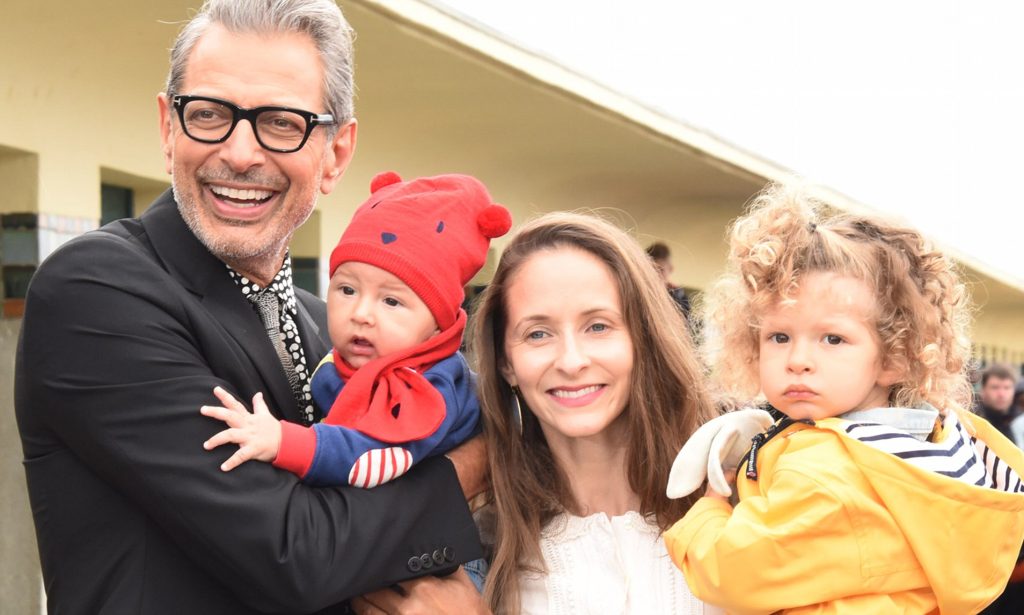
126 332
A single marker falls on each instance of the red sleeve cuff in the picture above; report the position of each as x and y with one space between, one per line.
298 445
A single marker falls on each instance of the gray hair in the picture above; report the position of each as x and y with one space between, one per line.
320 19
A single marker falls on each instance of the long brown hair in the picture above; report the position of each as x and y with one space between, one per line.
667 399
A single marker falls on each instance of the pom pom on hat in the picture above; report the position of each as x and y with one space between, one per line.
494 221
433 233
381 180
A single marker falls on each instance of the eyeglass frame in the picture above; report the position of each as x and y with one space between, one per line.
179 101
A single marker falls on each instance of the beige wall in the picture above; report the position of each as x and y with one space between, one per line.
1001 331
91 117
79 93
695 233
78 107
19 172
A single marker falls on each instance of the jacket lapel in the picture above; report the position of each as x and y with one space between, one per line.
312 324
188 261
313 342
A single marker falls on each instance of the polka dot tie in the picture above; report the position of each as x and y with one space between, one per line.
287 307
270 313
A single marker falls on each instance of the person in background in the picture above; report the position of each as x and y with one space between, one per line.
1017 424
996 397
1011 602
662 259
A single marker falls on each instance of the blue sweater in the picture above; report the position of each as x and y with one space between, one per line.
332 455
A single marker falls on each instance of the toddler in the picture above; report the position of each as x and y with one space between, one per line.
874 492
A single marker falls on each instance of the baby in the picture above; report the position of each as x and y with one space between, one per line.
395 388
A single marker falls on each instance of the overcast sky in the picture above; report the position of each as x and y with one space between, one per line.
910 107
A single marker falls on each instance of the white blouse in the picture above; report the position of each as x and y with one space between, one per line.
604 565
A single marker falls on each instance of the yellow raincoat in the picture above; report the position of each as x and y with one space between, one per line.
833 525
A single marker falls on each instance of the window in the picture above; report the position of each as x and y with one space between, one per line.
19 236
115 203
306 274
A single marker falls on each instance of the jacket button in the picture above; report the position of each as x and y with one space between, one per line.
438 557
426 562
449 554
414 564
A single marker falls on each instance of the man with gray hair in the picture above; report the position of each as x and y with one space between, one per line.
129 328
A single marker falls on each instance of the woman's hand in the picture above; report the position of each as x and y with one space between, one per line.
454 594
257 434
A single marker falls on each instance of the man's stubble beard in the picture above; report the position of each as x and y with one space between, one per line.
228 251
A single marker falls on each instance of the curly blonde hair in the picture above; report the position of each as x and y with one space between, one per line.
921 314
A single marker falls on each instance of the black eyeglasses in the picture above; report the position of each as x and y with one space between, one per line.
278 129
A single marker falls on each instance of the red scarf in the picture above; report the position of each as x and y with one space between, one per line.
388 398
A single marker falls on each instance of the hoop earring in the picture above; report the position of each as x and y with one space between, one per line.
518 418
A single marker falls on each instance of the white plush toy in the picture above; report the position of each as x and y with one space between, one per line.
717 446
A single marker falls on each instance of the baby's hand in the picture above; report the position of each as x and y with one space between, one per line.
258 435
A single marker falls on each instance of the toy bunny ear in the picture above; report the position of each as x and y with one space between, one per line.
493 221
381 180
690 467
716 447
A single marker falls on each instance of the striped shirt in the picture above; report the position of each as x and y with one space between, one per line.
957 455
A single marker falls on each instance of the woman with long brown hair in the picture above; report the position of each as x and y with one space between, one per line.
589 387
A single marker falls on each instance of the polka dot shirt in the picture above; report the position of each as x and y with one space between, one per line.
282 286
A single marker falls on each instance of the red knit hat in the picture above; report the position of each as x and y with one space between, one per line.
432 233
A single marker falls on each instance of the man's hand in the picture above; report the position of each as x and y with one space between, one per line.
454 594
258 435
470 461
